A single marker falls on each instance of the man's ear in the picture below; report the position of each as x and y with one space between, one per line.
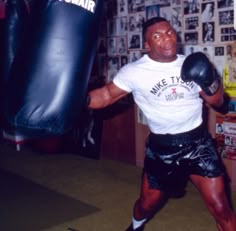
146 46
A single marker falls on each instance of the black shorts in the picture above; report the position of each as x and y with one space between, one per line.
168 167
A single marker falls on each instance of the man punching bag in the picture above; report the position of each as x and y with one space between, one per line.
50 72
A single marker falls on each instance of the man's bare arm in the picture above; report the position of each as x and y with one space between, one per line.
105 96
215 100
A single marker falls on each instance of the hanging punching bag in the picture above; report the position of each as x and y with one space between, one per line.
50 72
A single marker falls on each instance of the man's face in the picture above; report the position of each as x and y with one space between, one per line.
161 42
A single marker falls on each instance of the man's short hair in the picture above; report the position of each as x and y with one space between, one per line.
151 22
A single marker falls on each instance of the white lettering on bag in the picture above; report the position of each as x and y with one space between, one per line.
86 4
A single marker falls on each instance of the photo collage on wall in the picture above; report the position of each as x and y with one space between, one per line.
200 25
226 135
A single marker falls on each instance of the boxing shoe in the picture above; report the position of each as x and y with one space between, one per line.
130 228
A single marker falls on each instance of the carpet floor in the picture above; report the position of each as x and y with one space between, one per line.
29 206
68 192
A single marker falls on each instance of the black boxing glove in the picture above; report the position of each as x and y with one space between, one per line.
199 69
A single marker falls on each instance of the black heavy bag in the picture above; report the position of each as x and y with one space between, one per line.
50 72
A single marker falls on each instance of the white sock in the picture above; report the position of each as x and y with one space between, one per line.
137 224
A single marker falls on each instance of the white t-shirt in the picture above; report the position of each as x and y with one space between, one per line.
169 104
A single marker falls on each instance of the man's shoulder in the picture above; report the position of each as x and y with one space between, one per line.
180 59
181 56
131 66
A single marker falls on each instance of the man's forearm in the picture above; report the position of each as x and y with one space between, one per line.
98 98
